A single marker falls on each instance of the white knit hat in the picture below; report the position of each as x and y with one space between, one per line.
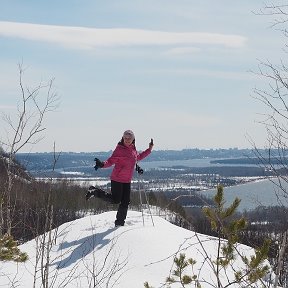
129 133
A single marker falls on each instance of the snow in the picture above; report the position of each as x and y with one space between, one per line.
91 252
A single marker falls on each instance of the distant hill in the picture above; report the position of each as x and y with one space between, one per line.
17 169
40 164
43 161
252 161
157 155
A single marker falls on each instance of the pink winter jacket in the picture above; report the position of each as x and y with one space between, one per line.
124 158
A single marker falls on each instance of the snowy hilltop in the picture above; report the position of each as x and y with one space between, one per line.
91 252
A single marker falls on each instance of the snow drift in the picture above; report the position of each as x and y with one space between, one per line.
91 252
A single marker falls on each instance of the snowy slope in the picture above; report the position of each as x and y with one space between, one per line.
90 252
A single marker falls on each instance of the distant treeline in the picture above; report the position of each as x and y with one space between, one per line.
252 161
157 155
40 165
44 161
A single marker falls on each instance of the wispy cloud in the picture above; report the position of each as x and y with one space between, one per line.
206 73
7 107
183 51
90 38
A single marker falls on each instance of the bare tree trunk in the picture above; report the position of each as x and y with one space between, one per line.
1 216
280 259
46 247
48 243
8 196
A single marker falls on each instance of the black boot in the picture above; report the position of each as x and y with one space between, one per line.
90 192
121 215
88 195
98 193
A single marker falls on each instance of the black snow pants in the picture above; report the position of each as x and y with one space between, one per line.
121 195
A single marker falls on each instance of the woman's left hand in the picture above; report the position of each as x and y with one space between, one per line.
151 144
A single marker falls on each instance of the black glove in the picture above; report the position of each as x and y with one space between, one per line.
151 144
99 164
139 169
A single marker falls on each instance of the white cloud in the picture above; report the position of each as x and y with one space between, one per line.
183 51
7 107
210 73
89 38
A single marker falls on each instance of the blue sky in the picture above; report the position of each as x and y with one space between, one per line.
176 71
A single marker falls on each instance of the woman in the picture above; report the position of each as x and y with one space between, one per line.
124 158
